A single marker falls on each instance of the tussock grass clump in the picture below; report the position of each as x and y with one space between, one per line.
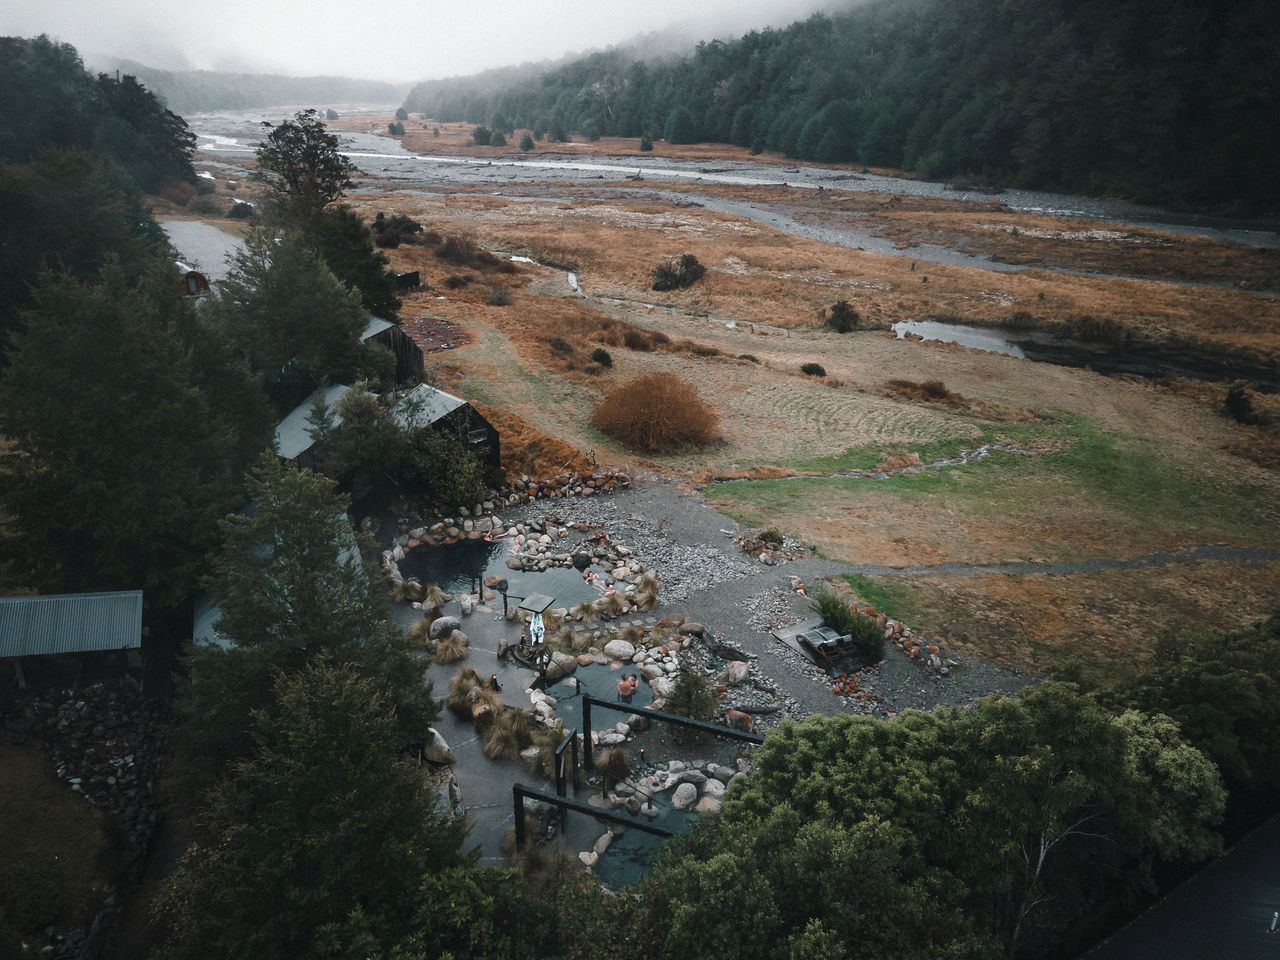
655 413
609 606
813 369
452 648
749 357
508 734
646 595
465 252
615 767
636 340
546 739
406 591
499 296
460 687
678 273
585 612
601 356
561 346
930 391
433 598
418 633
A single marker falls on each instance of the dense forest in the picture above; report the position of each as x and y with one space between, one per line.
194 91
1175 103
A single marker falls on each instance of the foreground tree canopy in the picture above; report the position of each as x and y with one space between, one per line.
1170 104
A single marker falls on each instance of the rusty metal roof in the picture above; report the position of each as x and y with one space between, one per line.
70 623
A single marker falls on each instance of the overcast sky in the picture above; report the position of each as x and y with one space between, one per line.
399 40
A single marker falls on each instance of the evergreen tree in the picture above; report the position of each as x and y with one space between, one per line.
681 127
122 464
302 168
345 244
291 585
290 318
322 820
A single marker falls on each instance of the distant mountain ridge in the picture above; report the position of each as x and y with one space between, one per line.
196 91
1169 103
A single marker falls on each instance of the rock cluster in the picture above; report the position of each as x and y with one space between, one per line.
108 744
771 548
930 653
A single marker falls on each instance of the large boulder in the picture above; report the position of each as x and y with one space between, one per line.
561 665
686 796
619 649
663 687
467 603
442 627
738 671
436 749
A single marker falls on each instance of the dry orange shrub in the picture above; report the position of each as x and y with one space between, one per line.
655 413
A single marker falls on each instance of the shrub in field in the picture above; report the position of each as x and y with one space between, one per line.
868 635
635 340
840 617
526 143
497 140
601 356
813 369
749 357
655 413
481 136
499 296
692 696
646 145
560 345
842 318
1239 404
678 273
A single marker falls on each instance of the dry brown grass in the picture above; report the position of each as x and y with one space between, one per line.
655 414
930 391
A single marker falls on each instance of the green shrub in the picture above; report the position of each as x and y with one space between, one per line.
526 143
209 206
402 113
496 139
395 128
749 357
842 318
813 369
601 356
692 696
481 136
646 145
635 340
561 346
1239 404
499 296
205 186
840 617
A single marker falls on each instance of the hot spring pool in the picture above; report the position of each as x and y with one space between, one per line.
455 568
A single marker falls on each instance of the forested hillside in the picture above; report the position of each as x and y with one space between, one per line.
1167 102
193 91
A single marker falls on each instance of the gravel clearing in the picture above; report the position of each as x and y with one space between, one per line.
707 579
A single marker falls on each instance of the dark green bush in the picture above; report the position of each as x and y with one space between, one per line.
601 356
646 145
813 369
678 273
692 696
635 340
526 143
749 357
496 139
481 136
840 617
842 318
1239 404
560 345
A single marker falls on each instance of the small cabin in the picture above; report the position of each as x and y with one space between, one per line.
294 440
409 361
425 404
194 283
68 623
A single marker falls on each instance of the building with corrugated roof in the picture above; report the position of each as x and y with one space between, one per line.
426 405
69 623
294 438
410 367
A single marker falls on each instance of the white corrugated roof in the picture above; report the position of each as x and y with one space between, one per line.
70 623
424 405
293 433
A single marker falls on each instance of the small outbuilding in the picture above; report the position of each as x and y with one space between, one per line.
426 405
409 362
294 439
408 281
68 623
194 283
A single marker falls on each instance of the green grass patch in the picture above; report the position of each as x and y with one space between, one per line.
1122 474
895 600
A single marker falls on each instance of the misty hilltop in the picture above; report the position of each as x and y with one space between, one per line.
195 91
1129 99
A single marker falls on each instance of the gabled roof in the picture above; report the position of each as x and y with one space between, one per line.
70 623
424 405
293 433
374 327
